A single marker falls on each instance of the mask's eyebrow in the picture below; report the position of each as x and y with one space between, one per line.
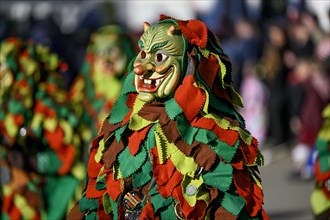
158 45
140 43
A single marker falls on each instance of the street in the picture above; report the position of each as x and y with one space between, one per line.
285 198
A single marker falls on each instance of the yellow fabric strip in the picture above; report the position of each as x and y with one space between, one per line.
78 171
37 119
7 190
27 211
256 180
185 165
319 202
68 131
99 153
198 195
50 124
10 126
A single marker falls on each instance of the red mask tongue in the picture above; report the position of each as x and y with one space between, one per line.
147 87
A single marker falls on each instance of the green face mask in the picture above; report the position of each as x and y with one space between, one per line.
110 60
157 66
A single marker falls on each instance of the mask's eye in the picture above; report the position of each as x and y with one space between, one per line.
160 57
143 54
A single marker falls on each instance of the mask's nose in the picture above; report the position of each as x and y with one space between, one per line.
143 69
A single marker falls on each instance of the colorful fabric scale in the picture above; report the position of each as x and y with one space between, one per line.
185 155
320 198
39 164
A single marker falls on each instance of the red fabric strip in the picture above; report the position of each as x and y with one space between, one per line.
93 167
135 139
113 186
249 191
250 152
190 109
228 136
208 69
91 192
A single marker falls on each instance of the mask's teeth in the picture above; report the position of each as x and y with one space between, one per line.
141 77
147 81
157 82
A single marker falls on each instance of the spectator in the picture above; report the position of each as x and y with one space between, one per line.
254 94
273 67
316 84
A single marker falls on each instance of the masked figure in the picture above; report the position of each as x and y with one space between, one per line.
320 198
39 163
99 83
174 146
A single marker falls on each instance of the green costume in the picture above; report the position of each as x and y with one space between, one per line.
174 145
99 83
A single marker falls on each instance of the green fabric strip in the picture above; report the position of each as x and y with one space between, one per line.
224 150
92 216
128 86
143 175
129 164
150 142
172 109
119 110
59 191
87 204
224 106
220 177
114 205
100 183
158 202
4 216
187 132
15 107
322 145
48 162
107 203
205 136
233 203
324 161
168 212
119 132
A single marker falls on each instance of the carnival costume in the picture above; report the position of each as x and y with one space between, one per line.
39 162
174 147
100 80
320 198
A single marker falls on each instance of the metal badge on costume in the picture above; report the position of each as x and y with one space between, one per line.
133 202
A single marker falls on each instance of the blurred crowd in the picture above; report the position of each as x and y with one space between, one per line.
280 51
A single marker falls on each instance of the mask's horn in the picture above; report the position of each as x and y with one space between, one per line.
171 30
146 26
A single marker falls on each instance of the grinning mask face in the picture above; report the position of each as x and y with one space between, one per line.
109 57
157 66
